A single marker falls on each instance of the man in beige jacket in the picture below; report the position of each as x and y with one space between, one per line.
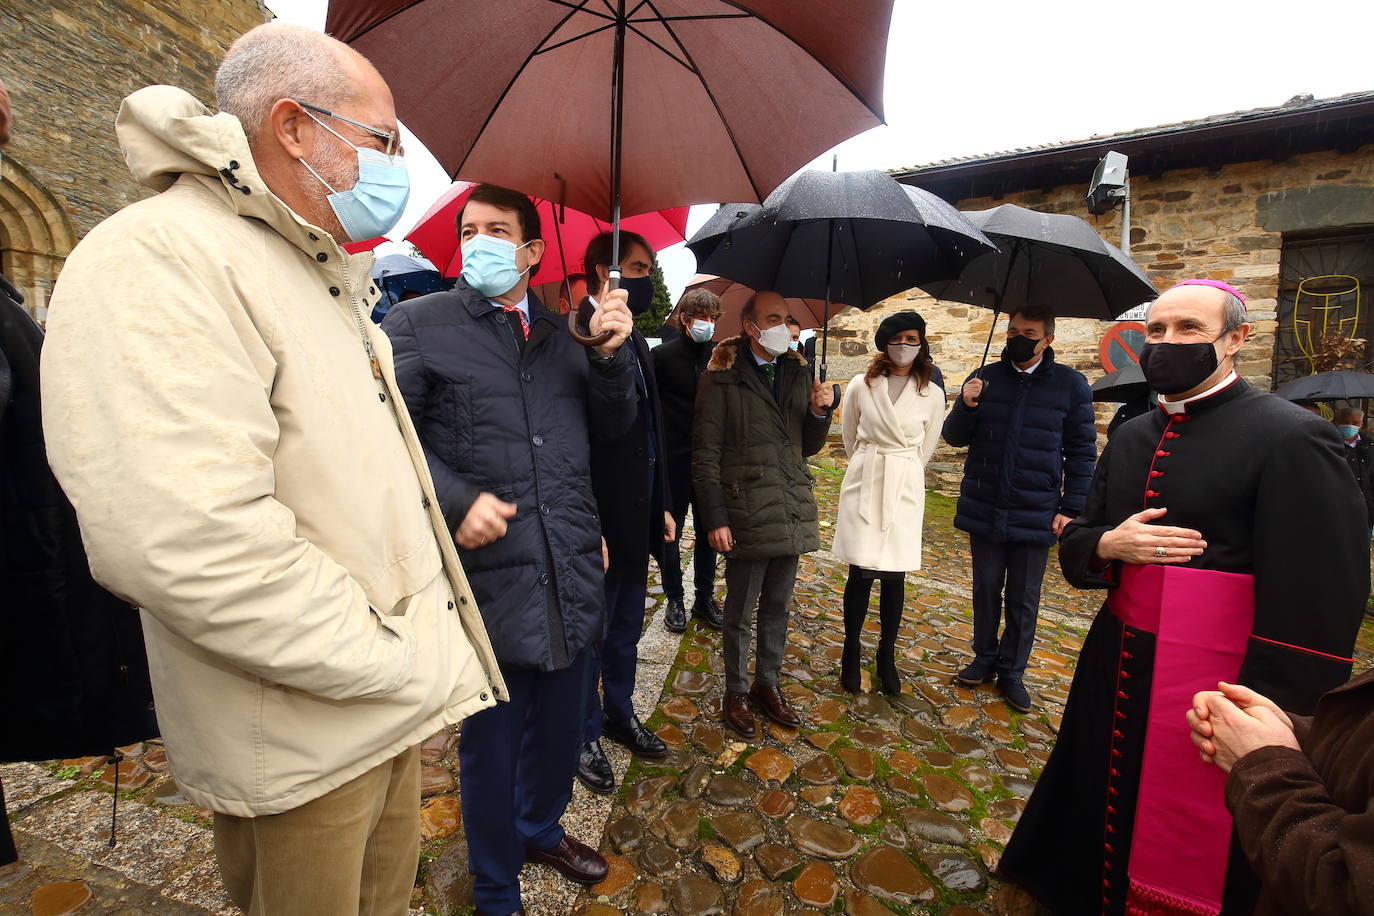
226 422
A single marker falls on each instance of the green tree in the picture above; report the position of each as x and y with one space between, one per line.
649 322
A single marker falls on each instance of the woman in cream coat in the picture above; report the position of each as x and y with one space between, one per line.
891 424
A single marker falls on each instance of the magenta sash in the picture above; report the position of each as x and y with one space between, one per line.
1202 621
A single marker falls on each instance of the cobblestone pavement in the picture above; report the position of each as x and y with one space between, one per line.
875 805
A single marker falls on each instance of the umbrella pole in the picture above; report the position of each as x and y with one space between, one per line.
825 316
996 310
563 258
617 137
617 124
997 305
825 332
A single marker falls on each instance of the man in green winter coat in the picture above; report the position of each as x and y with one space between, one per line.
758 415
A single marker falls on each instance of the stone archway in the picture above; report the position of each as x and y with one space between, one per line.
35 235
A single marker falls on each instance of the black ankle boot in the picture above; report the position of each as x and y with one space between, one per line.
850 678
887 671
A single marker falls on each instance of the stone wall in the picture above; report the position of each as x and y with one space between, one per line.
67 64
1187 223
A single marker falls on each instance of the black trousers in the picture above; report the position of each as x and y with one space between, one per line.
1006 577
670 560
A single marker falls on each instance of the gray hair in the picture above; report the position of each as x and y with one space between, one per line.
1350 413
1233 313
278 61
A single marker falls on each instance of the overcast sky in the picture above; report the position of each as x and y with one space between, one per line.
969 78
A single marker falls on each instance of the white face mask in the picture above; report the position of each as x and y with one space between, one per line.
776 340
903 354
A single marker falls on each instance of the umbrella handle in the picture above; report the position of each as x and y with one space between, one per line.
586 340
591 340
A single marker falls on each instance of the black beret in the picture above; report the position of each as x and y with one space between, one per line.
893 325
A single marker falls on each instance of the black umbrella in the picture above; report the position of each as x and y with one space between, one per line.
1125 384
1329 386
1050 259
846 238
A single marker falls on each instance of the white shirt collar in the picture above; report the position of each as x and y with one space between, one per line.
523 305
1032 367
1182 406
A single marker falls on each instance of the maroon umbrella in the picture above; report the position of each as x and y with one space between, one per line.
678 101
808 312
722 100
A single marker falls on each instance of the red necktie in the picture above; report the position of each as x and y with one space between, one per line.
524 324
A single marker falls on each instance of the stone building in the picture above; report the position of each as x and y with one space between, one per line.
67 64
1279 202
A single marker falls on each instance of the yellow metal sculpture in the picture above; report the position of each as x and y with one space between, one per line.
1326 309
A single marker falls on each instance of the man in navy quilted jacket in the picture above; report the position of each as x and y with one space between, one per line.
1028 423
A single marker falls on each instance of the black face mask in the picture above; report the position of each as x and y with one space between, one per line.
1175 368
641 290
1021 349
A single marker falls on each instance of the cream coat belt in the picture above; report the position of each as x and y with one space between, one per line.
888 472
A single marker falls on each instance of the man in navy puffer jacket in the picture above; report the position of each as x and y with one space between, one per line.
1028 423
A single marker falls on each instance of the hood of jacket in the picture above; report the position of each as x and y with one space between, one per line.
728 351
164 133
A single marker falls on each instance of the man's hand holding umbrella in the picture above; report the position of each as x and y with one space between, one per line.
614 316
822 396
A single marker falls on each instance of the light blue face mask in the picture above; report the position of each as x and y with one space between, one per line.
376 201
702 331
489 265
1348 431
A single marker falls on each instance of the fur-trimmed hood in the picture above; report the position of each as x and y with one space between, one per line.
727 351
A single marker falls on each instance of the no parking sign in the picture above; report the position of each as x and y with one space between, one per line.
1121 345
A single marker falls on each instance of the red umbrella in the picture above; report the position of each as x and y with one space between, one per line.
566 233
364 245
808 312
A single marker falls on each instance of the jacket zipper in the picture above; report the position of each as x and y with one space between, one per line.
372 360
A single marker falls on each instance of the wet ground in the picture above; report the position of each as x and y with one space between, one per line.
874 805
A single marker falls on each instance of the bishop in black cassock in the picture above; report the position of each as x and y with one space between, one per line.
1126 818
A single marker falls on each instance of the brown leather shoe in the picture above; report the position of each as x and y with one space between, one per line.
737 714
575 861
775 705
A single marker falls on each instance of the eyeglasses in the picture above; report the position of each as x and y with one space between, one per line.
390 139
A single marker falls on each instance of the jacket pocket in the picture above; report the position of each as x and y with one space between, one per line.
391 594
739 498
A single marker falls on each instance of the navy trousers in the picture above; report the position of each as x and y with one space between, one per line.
518 760
616 657
1005 576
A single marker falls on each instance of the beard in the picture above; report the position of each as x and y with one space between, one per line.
337 165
